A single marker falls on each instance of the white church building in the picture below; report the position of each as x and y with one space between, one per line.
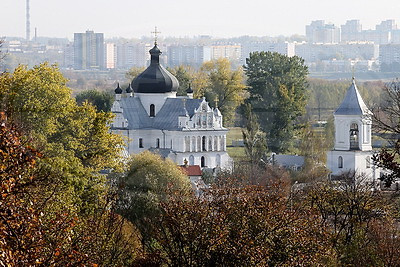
353 148
184 129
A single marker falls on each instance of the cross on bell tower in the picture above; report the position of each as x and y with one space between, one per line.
155 35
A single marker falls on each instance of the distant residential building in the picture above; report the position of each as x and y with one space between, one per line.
131 54
284 48
389 57
384 33
351 31
318 52
386 25
193 55
319 32
231 52
69 56
111 55
377 37
89 50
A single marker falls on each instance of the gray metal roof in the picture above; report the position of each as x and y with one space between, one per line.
352 104
166 118
289 160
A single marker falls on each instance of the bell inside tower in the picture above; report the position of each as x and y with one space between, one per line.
354 144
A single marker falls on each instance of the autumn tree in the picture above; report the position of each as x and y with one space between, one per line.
234 225
144 186
253 137
387 120
40 227
349 210
277 87
224 87
313 146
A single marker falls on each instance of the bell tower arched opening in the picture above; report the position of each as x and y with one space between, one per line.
354 137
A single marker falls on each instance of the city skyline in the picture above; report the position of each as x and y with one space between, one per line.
178 18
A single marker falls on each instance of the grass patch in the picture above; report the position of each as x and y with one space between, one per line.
237 153
234 133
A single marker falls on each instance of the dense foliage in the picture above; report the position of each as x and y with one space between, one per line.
277 87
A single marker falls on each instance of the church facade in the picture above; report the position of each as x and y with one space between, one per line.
186 130
353 148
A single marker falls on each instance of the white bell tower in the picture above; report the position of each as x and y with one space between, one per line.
353 147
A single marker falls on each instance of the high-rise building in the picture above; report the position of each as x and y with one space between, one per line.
284 48
89 50
231 52
193 55
131 54
351 31
389 57
69 56
319 32
111 55
386 25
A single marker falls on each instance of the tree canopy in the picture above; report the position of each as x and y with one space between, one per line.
100 99
224 87
146 184
75 139
277 87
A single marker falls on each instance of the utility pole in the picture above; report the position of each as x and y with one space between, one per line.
28 23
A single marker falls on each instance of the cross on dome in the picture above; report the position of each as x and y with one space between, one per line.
155 35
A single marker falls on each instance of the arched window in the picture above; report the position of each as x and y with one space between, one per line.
158 143
354 137
340 162
194 143
210 143
203 162
152 110
191 160
203 144
140 142
187 143
198 143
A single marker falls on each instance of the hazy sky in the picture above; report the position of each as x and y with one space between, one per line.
219 18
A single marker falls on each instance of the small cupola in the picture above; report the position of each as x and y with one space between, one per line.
118 92
189 91
129 90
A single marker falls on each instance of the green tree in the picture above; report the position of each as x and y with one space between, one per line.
133 72
277 87
253 137
101 100
224 88
145 184
185 76
75 139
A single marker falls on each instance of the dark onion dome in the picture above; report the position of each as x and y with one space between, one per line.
118 90
155 79
189 90
129 89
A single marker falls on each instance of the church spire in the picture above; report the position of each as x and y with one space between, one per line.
352 104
